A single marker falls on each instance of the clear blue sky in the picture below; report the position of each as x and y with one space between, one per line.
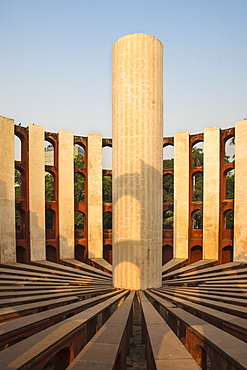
55 61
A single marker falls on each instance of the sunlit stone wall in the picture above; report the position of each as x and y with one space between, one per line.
7 192
137 161
37 192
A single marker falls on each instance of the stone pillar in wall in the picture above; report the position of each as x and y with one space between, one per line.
137 161
181 195
66 194
211 193
240 194
36 192
95 227
7 192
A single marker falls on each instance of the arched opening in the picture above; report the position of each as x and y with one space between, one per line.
168 188
59 361
229 219
107 220
107 253
168 220
79 220
18 148
197 219
230 177
197 187
79 224
79 187
21 254
49 219
79 157
167 253
19 224
49 153
227 254
18 189
168 157
107 189
230 150
107 158
195 253
80 252
197 155
51 253
49 187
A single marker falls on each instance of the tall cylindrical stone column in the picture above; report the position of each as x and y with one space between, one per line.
137 161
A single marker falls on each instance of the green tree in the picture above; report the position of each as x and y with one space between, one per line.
79 187
197 195
168 188
197 157
230 219
79 219
107 220
49 187
79 161
168 220
107 189
230 185
197 219
17 184
168 164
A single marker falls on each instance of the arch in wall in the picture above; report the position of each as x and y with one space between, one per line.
49 152
167 253
49 219
168 219
227 254
229 219
168 157
49 186
197 186
230 149
79 220
229 181
107 253
79 187
18 147
197 154
107 189
80 252
51 253
107 220
79 156
21 254
59 361
195 253
107 157
197 219
18 184
168 188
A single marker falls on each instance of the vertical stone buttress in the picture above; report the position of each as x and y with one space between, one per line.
211 193
137 161
95 228
181 194
7 192
66 194
240 197
36 192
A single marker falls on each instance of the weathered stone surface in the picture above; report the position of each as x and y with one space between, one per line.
66 193
137 161
7 195
95 227
181 194
37 192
